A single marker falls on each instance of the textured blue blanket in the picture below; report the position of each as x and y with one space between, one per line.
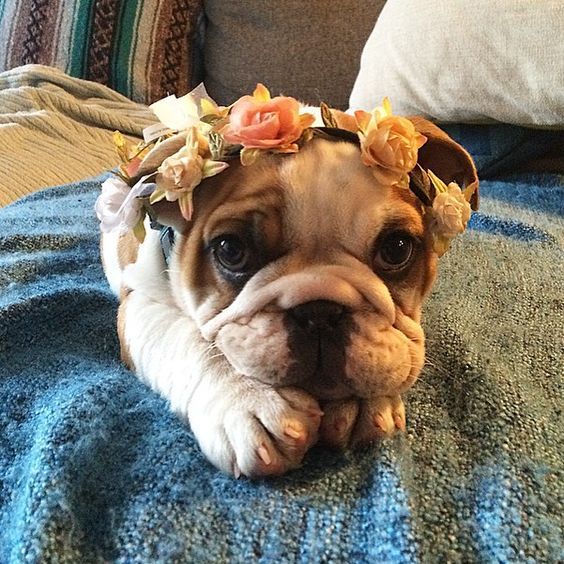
94 467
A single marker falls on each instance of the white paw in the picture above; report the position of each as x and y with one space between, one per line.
256 430
355 422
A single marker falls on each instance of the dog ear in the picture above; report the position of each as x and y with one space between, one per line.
446 158
153 159
167 213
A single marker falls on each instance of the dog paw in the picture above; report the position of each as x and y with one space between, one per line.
355 422
261 432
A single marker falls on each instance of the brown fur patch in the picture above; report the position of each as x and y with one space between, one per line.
128 247
236 195
124 348
301 217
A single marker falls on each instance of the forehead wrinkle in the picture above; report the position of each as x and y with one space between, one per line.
328 192
323 176
249 188
336 206
265 203
258 179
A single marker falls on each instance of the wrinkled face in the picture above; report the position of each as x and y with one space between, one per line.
302 270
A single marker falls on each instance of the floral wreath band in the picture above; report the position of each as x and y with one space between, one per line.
196 138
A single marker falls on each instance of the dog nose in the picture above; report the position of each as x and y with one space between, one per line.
319 315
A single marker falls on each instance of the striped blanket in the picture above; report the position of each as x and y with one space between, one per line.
141 48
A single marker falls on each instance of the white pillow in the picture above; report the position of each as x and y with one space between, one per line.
467 61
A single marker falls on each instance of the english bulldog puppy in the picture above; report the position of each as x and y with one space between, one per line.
287 309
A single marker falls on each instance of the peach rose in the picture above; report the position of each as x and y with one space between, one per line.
389 144
261 122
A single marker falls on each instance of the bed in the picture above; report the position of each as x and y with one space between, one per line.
94 466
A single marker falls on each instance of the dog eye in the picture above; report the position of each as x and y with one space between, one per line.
394 252
231 253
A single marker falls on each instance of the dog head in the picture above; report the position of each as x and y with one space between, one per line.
304 270
309 265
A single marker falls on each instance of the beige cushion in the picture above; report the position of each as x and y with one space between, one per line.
309 50
461 61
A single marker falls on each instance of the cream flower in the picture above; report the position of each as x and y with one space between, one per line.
389 144
451 211
179 174
178 114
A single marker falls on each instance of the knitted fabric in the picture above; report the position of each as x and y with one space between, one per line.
95 467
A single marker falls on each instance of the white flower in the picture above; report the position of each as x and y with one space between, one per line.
451 211
182 113
117 207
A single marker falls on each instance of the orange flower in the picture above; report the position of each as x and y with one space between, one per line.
262 122
389 144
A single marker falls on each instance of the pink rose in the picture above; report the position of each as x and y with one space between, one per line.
259 122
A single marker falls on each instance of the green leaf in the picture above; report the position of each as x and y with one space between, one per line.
211 119
185 205
438 184
211 168
249 156
157 196
139 229
216 143
440 244
469 192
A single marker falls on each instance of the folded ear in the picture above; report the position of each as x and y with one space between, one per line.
160 152
446 158
168 214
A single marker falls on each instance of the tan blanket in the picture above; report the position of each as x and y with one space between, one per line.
55 129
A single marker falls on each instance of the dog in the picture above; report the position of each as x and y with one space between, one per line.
287 311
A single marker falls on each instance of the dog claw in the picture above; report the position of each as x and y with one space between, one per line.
236 471
399 422
295 431
264 455
379 422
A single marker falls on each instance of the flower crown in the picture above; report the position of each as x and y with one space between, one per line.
196 138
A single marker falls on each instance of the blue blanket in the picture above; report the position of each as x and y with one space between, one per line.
94 467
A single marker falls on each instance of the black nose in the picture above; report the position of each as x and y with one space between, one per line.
319 315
